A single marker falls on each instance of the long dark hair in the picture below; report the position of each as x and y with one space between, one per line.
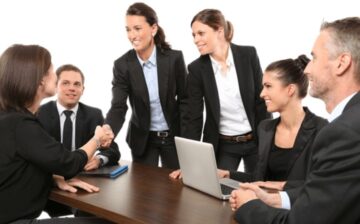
22 68
141 9
291 71
215 19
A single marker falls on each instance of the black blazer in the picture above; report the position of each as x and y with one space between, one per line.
331 191
201 86
28 158
310 126
129 81
87 118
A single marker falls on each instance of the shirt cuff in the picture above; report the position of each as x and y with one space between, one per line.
104 158
285 200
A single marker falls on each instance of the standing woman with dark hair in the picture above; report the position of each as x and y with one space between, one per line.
29 156
153 77
227 77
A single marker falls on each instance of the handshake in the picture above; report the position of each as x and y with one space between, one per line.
103 136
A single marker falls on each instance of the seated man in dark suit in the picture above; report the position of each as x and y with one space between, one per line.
331 190
79 127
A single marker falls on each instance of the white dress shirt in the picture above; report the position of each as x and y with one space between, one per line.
233 118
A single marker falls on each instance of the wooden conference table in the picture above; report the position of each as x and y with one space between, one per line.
146 194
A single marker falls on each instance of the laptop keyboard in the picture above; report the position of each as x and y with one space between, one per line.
226 190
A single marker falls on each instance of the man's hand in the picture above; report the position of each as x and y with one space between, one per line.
270 198
72 185
175 174
240 197
92 164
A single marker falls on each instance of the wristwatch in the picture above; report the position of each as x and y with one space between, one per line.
102 162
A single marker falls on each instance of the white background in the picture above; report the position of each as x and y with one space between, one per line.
91 33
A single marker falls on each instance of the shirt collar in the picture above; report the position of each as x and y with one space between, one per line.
151 60
61 108
340 108
229 61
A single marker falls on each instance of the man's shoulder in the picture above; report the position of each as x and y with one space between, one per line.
47 109
89 109
48 105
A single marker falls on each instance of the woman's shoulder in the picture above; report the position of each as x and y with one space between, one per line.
170 51
129 55
201 60
243 48
268 123
13 118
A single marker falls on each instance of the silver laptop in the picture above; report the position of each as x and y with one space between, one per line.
199 170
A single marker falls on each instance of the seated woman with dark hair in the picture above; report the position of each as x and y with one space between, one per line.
284 142
29 156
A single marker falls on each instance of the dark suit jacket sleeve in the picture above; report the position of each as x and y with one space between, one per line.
331 191
293 189
112 153
120 92
49 155
182 101
87 119
194 117
240 176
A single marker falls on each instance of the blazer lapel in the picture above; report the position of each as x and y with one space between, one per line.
210 87
265 144
163 70
55 121
79 126
306 130
137 75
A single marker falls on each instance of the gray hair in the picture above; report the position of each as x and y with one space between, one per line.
345 37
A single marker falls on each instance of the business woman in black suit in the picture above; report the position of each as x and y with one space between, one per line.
153 77
285 142
227 77
331 190
29 156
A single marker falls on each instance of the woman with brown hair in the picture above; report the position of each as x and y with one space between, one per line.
227 79
29 156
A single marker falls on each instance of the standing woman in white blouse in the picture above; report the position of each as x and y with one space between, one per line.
227 77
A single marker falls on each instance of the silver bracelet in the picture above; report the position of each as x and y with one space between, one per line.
98 144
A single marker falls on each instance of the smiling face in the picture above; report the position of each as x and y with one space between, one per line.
69 88
140 33
205 37
275 93
320 69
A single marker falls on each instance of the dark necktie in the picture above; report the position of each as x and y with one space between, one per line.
67 132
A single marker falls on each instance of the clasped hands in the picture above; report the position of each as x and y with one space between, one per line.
267 191
104 134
